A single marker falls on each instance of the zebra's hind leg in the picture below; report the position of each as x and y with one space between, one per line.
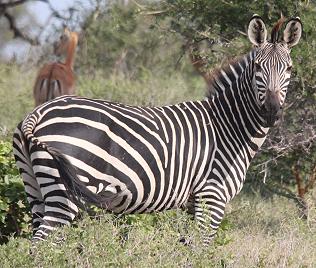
209 212
32 188
59 209
35 199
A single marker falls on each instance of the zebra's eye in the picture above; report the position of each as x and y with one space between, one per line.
289 68
258 67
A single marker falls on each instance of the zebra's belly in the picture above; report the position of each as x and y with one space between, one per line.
121 200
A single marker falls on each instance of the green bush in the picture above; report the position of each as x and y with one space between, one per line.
14 212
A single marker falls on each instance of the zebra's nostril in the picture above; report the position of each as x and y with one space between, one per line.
272 118
272 108
272 103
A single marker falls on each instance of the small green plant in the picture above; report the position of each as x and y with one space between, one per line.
14 212
222 238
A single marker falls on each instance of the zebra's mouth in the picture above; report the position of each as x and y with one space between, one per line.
271 119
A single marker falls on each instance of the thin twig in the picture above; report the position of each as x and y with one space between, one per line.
16 32
12 4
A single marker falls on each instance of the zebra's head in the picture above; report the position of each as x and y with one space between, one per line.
272 64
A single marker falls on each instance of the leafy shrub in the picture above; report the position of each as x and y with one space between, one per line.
14 216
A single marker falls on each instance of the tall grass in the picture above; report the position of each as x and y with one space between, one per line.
16 90
15 94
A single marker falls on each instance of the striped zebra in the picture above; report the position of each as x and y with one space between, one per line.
131 159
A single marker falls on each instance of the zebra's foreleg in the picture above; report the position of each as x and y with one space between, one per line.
209 212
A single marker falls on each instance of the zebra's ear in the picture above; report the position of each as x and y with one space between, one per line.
257 32
292 32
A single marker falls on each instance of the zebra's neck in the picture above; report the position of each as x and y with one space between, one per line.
235 108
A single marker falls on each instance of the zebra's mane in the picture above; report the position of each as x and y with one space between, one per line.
217 73
275 32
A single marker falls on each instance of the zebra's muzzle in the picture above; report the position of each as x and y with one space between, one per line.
271 118
271 110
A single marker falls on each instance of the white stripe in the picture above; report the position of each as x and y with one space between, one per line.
55 219
83 178
227 177
63 200
93 189
40 155
172 160
41 232
54 187
44 180
60 210
228 138
48 227
207 145
186 180
31 191
45 169
180 157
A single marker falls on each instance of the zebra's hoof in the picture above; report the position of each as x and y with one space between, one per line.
33 249
185 241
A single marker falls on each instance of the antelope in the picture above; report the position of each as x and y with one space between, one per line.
57 78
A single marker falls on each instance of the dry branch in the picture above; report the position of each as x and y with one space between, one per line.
12 4
16 31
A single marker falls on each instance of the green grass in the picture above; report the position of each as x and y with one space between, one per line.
149 89
255 233
15 95
16 91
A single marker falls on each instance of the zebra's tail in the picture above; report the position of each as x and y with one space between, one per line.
76 189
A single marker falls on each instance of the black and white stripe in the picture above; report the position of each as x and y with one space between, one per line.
130 159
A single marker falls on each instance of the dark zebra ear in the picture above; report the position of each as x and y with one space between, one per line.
257 32
292 32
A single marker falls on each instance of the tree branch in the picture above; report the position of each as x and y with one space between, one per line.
16 32
55 13
12 4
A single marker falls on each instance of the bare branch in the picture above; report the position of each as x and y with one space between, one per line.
92 17
16 32
55 13
12 4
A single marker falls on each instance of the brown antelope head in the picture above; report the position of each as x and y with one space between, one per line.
66 45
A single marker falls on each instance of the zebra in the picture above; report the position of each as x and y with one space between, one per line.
73 150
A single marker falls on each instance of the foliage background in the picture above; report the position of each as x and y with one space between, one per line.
136 53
